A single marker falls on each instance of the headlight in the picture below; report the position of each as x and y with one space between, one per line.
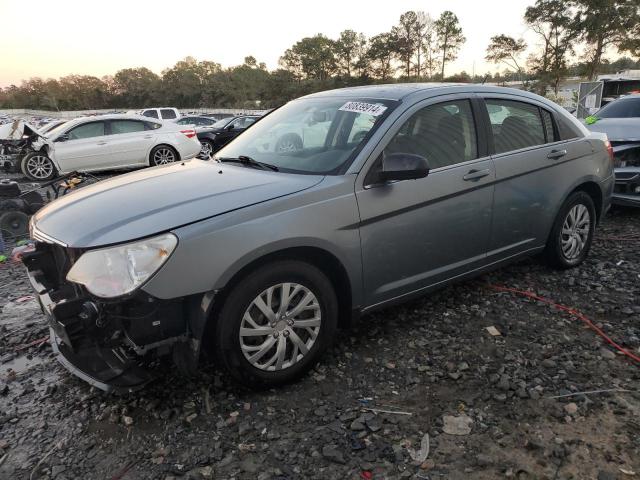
114 271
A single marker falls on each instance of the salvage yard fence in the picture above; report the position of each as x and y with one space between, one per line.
70 114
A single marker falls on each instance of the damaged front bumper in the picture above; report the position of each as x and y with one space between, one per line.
112 345
627 171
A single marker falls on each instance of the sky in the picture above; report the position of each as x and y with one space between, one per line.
50 39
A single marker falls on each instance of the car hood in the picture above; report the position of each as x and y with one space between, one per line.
158 199
618 129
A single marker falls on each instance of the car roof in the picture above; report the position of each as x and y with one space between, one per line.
112 116
399 91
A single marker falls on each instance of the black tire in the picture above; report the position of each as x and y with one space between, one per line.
226 343
289 142
206 144
554 253
162 151
38 166
15 224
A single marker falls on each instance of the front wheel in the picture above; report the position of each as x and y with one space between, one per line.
162 155
206 149
38 166
275 324
572 233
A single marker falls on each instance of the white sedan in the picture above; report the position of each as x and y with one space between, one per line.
109 142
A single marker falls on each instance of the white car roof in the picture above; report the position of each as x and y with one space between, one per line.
111 116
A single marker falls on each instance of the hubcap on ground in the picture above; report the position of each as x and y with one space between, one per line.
575 231
164 156
39 166
280 326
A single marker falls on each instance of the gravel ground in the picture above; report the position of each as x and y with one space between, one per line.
419 391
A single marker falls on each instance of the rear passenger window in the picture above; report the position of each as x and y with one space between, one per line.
126 126
150 113
515 125
566 129
444 134
168 113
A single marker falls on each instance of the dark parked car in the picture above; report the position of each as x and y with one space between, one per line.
197 121
620 120
258 257
222 132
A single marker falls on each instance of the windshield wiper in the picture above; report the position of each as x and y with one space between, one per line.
245 160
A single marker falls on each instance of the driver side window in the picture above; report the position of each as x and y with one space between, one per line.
88 130
443 133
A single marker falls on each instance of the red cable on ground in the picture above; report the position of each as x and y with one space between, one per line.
571 311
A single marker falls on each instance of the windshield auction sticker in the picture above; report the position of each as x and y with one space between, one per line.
374 109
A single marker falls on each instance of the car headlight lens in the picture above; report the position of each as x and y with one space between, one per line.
114 271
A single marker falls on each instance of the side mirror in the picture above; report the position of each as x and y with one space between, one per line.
229 127
62 138
403 166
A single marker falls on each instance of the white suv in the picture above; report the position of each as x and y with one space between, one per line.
163 113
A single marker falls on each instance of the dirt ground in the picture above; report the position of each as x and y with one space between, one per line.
425 374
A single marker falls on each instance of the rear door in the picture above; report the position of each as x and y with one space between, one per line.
417 233
533 172
87 147
129 142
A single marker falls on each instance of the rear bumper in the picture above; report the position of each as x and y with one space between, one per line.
112 346
626 183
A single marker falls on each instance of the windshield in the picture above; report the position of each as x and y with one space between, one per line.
311 135
622 108
54 132
51 126
222 123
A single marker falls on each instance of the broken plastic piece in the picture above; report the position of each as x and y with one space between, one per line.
493 331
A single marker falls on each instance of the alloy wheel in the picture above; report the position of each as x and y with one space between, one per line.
280 326
205 149
39 166
287 146
575 231
162 156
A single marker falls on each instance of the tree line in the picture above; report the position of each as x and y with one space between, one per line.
417 48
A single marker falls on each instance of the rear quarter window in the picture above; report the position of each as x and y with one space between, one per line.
566 129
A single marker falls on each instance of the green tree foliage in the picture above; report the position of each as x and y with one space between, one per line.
553 23
507 50
450 37
312 57
601 24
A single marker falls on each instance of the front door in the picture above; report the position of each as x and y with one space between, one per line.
86 148
417 233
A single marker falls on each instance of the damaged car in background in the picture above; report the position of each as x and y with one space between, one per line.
258 256
16 140
105 142
620 120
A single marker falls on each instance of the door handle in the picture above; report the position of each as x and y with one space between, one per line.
148 136
101 143
555 154
476 174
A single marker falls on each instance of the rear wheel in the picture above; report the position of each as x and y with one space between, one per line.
572 233
38 166
162 155
275 324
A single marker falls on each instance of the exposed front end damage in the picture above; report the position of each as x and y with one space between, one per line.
16 140
627 172
112 344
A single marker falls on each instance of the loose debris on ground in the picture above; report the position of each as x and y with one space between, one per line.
468 383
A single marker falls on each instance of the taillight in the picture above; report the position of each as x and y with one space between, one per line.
189 133
607 144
